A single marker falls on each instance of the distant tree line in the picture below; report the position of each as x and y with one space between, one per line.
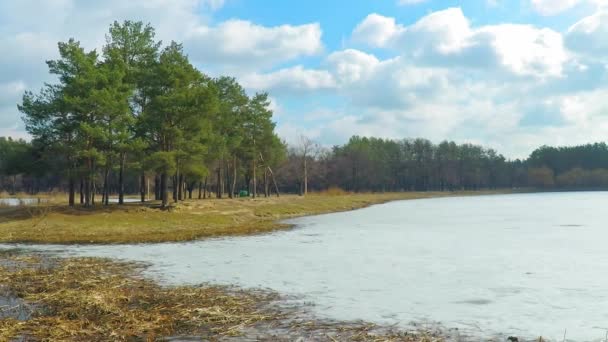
373 164
362 164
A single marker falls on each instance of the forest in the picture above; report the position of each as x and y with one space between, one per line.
139 118
363 164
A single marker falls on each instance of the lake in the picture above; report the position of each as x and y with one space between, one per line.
13 202
525 264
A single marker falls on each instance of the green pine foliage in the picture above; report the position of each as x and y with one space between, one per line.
142 109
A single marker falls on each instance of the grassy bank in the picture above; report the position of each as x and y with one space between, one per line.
84 299
136 223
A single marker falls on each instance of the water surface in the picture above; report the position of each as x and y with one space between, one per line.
527 265
13 202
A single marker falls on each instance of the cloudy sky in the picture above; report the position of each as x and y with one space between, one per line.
509 74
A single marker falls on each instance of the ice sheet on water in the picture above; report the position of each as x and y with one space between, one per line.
457 261
12 202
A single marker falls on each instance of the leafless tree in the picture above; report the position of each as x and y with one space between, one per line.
306 149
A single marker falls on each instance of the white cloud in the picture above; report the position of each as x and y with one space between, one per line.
243 44
509 86
352 65
447 38
214 4
512 87
376 30
527 50
30 30
232 43
477 118
553 7
294 79
589 35
392 83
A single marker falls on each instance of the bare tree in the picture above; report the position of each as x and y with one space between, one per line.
306 149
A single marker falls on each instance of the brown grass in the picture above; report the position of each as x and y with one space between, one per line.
99 300
85 299
190 220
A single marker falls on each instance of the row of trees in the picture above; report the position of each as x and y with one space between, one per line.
372 164
138 108
365 164
362 164
576 167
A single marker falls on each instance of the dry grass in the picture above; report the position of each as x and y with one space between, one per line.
190 220
87 299
99 300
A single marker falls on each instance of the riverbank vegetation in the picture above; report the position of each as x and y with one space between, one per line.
80 299
190 220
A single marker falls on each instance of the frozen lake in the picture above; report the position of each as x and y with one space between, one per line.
526 265
125 200
13 202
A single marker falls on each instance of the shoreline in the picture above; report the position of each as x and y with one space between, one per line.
65 288
190 220
300 323
114 301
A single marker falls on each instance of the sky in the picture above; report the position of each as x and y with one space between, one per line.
508 74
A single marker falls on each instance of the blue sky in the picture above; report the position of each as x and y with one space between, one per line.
511 75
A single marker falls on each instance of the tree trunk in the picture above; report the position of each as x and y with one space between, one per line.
229 180
121 179
164 189
265 183
205 189
276 187
71 190
185 186
87 192
305 177
147 188
233 187
180 187
224 175
174 187
143 187
81 191
106 186
255 192
219 182
200 190
87 185
93 192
